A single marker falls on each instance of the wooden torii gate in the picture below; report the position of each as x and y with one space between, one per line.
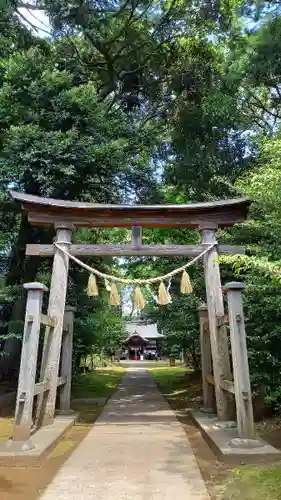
65 216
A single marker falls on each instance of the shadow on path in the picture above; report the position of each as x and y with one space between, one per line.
137 450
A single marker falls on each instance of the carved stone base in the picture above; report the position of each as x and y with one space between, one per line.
17 446
210 411
228 446
246 443
226 425
66 413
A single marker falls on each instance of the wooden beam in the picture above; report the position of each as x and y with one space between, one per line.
131 250
226 385
66 360
222 320
241 374
26 383
47 321
61 381
136 236
218 336
32 200
48 211
206 358
153 220
40 387
52 350
210 379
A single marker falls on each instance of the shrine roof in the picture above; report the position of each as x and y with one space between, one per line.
148 331
134 335
48 211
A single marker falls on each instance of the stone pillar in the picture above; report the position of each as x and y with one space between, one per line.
51 357
26 383
218 336
242 386
206 360
66 362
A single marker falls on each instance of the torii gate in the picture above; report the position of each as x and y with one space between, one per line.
65 216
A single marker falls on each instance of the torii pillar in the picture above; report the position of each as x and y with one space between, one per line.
218 335
57 298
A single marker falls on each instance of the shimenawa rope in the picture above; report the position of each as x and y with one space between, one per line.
126 281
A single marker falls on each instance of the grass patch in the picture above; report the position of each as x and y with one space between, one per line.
258 483
170 378
6 428
64 446
179 385
100 383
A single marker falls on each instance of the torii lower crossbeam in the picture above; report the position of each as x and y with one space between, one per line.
132 250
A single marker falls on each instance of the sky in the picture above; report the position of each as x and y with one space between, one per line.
38 19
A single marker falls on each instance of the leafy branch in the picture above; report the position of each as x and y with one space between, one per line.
242 263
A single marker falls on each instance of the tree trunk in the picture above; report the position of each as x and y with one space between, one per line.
172 361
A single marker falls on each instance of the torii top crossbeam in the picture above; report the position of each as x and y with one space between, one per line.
49 211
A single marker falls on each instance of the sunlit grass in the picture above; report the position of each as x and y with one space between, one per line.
256 483
170 378
176 384
97 384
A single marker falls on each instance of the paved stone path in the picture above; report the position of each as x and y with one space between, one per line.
137 450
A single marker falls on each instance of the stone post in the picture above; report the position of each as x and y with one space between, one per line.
218 336
26 383
206 360
51 357
66 362
242 386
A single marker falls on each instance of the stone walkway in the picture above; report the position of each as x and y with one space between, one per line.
137 450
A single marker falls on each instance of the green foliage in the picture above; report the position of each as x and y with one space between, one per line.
98 331
261 268
99 384
254 483
55 130
263 183
58 139
179 324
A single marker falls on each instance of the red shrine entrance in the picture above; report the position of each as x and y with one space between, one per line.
136 346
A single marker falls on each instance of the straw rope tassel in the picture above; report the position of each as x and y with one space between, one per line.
114 298
139 299
92 289
163 296
186 286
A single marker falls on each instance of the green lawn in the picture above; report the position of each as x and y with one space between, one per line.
170 378
243 483
255 483
100 383
177 384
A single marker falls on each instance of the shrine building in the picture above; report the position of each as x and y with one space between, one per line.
142 341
